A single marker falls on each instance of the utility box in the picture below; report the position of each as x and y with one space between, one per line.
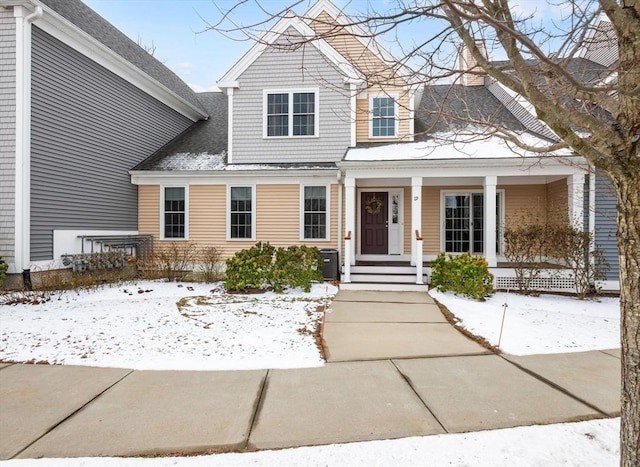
330 264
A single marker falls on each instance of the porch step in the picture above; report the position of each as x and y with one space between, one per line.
392 278
376 286
382 269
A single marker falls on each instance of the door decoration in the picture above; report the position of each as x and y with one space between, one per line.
373 205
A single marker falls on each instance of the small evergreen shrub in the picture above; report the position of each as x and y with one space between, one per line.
250 268
462 274
3 270
263 266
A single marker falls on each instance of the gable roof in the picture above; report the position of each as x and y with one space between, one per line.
368 44
230 78
91 23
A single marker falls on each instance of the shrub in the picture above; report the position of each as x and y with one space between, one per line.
463 274
3 270
210 263
576 251
249 269
525 246
263 266
171 262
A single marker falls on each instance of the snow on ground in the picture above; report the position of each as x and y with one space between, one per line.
141 326
539 325
118 326
579 444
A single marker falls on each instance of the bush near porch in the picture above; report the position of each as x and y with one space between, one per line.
462 274
264 266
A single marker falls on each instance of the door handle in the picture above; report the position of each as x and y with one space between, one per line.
386 224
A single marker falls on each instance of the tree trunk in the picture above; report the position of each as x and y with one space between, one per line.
629 246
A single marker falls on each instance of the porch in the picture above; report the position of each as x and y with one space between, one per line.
402 276
399 216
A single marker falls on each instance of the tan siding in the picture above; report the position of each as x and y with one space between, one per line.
524 202
149 210
557 207
351 48
208 216
431 219
278 216
362 116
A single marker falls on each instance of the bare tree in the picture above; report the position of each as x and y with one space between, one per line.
597 115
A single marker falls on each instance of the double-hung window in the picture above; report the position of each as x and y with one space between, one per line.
383 117
174 212
241 218
315 213
291 113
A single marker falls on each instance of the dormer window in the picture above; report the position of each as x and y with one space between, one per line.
383 117
291 113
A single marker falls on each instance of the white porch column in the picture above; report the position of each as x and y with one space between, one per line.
350 214
416 215
575 200
490 182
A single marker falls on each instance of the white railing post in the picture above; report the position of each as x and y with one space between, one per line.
419 272
347 258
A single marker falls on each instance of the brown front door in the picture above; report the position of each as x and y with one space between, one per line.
375 226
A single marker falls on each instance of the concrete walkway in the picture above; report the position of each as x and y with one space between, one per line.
374 387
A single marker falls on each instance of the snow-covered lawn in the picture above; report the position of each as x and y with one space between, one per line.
167 326
158 325
537 325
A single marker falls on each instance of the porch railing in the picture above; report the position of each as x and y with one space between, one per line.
419 273
347 258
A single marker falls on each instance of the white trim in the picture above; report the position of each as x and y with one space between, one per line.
416 218
412 114
22 222
463 192
231 77
186 212
285 177
327 236
290 92
59 27
391 95
399 242
230 126
253 212
350 206
353 113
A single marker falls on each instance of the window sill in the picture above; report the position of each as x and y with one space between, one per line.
290 137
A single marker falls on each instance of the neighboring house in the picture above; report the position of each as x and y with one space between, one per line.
318 152
81 104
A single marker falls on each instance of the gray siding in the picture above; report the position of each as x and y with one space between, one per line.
281 69
605 217
89 127
7 132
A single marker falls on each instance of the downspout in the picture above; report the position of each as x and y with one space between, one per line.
23 135
340 213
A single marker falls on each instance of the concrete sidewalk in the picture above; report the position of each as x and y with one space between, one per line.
66 411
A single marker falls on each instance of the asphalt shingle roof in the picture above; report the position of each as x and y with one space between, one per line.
447 107
100 29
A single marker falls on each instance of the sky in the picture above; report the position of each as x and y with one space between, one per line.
177 29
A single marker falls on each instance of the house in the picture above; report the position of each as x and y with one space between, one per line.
320 153
81 104
340 149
